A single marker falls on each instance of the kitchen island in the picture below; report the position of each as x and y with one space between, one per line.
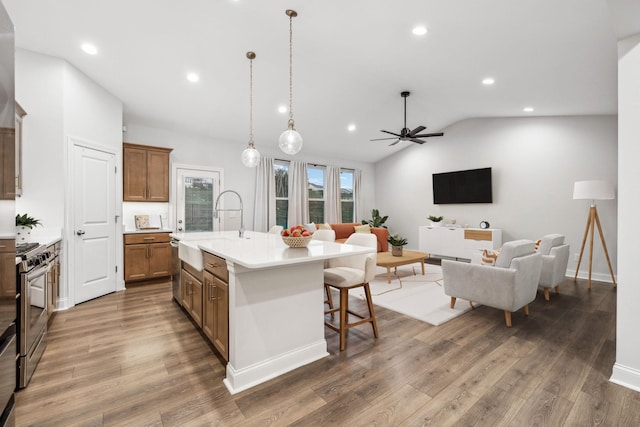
276 301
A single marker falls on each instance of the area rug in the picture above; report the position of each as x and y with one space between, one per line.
413 294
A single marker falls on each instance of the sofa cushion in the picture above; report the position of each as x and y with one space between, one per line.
362 228
323 226
311 226
344 230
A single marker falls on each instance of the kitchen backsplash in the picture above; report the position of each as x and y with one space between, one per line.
131 209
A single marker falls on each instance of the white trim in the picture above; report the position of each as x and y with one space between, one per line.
67 274
598 277
625 376
173 205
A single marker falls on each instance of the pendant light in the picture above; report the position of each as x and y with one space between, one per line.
250 156
290 140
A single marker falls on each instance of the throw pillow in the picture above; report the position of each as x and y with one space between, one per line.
489 257
323 226
362 228
311 227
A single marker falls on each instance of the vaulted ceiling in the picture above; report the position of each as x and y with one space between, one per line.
351 60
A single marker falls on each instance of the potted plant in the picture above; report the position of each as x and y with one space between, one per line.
397 242
24 224
376 220
435 220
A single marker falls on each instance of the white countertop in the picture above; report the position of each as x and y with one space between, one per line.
263 250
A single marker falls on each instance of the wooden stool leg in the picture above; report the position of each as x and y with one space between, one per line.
507 318
372 313
344 300
526 310
546 294
329 301
557 288
453 302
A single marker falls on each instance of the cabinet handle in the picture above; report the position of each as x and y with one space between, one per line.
149 238
212 297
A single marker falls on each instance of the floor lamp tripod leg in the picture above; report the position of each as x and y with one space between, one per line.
604 245
584 240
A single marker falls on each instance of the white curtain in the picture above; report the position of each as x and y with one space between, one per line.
298 194
264 212
332 202
357 195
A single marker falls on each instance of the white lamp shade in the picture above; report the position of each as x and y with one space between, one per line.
290 142
593 190
250 157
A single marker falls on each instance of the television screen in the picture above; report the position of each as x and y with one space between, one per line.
468 186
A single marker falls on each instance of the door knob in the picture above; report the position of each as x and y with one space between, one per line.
80 232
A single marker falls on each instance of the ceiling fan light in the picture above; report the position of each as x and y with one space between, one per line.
250 156
290 141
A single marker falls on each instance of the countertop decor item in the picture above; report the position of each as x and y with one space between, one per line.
297 236
250 156
484 224
290 140
24 224
436 221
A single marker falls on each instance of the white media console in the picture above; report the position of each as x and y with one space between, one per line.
457 242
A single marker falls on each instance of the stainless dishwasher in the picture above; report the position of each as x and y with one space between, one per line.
175 271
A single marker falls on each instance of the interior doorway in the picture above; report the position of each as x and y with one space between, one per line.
196 189
93 237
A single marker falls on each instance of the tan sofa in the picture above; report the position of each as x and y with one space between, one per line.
344 230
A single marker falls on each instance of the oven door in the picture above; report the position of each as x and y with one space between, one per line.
34 306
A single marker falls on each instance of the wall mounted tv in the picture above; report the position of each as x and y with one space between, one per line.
468 186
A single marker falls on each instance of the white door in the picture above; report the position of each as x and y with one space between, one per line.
196 192
94 196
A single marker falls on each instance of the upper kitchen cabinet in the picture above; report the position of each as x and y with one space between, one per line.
20 113
146 173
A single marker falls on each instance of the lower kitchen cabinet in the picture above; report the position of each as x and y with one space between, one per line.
7 268
146 256
191 295
215 314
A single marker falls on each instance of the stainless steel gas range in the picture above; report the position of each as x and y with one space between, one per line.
31 320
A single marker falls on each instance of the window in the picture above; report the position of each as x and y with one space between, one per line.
281 171
346 195
315 183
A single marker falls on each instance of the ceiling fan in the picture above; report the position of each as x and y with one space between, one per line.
406 134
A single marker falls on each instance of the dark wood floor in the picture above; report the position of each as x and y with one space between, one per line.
133 359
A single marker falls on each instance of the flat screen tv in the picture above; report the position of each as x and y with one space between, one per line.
468 186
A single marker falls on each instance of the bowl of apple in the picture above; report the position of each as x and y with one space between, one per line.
296 236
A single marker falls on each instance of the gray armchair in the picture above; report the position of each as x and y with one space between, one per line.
511 285
555 257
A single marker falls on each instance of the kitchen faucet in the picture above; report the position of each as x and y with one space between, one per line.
216 210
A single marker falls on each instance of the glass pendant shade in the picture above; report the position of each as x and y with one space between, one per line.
250 157
290 141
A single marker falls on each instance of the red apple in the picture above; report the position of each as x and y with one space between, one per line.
306 233
286 232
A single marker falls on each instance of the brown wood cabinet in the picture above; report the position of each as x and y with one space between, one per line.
215 314
191 295
146 256
8 268
145 173
8 162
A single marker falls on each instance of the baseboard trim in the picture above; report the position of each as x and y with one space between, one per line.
625 376
598 277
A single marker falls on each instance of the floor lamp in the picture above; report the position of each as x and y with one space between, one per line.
593 190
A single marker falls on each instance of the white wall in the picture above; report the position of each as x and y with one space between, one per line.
61 102
201 151
626 370
534 162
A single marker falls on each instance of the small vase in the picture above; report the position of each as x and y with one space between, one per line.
23 234
396 250
436 224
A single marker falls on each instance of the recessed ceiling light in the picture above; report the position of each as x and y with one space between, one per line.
527 109
89 48
282 109
419 30
193 77
488 81
351 127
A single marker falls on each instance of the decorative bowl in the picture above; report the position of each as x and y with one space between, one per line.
296 242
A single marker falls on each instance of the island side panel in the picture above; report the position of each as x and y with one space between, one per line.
276 321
